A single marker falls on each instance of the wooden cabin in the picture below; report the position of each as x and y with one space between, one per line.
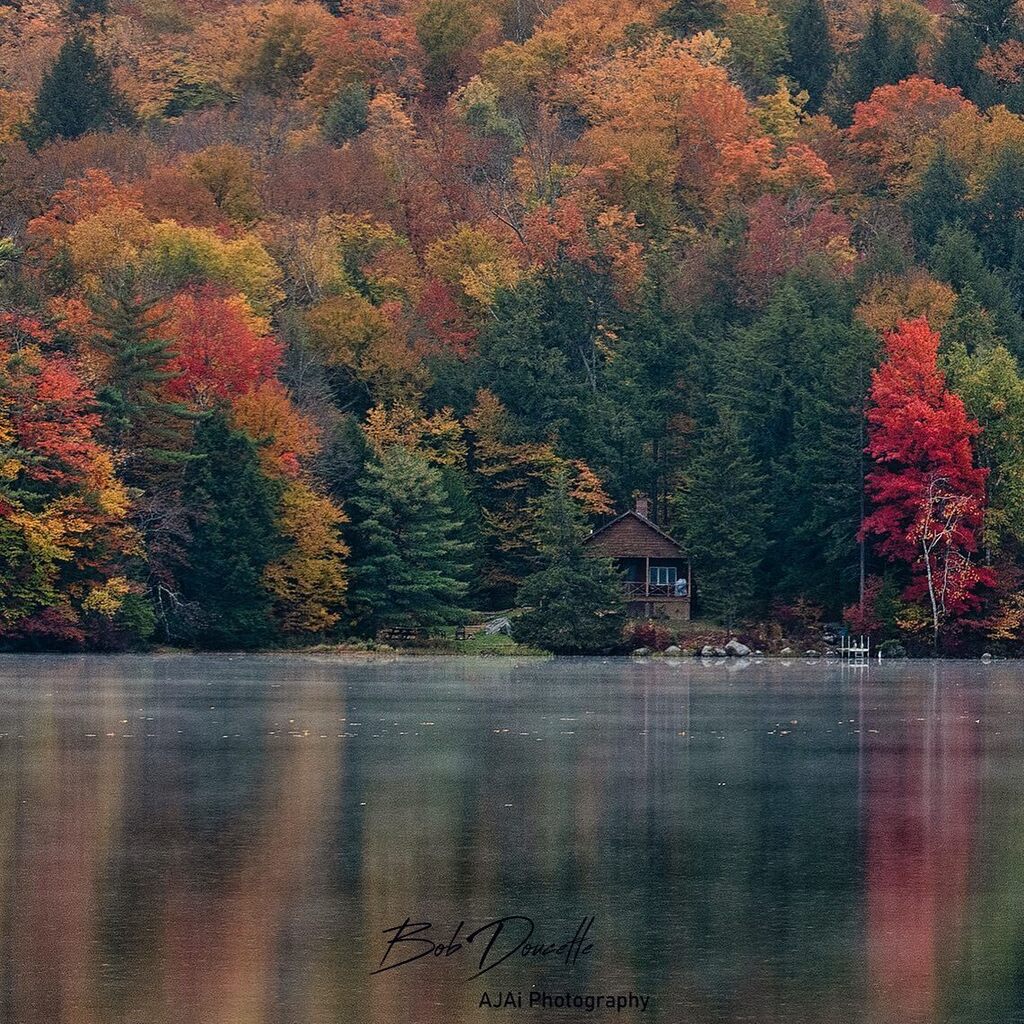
656 572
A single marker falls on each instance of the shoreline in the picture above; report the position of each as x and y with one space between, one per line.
383 654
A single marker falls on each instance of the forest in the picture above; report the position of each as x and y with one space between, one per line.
321 319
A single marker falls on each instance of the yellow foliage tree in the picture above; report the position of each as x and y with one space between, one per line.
285 437
438 438
228 173
476 263
308 582
891 300
179 255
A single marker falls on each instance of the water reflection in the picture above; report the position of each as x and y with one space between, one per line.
223 840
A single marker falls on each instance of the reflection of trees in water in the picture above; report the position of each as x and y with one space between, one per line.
746 851
63 802
720 861
121 910
986 983
919 806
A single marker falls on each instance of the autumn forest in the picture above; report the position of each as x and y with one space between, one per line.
323 319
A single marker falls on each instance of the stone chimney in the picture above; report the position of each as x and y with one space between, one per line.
642 506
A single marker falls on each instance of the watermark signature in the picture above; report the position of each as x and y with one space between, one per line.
488 946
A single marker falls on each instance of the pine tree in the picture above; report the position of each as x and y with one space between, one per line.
969 325
955 258
812 58
141 422
793 382
575 602
816 498
940 200
408 566
882 57
346 116
77 95
990 21
723 517
233 511
686 17
956 61
869 65
997 209
649 387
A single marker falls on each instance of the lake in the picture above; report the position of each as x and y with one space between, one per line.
227 840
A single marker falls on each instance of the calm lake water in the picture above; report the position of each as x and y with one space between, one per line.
224 840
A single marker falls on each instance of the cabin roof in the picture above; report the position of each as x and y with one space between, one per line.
633 535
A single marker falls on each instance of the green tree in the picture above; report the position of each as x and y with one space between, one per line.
940 200
794 382
990 21
408 567
685 17
444 29
723 518
575 602
882 56
346 115
640 445
811 57
85 9
956 259
77 95
956 60
988 380
233 518
547 356
148 429
281 59
998 207
969 325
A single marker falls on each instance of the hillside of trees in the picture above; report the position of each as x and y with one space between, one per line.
322 318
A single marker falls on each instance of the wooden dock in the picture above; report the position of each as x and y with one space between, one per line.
855 648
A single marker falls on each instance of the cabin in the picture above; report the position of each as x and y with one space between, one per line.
655 570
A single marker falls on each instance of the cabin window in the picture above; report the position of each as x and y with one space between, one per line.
664 574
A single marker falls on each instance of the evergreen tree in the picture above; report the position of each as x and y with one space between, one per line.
816 498
77 95
141 422
956 61
969 325
85 9
346 116
793 381
939 201
990 21
649 389
544 355
882 57
955 258
812 58
686 17
998 207
870 63
575 601
723 517
233 510
408 567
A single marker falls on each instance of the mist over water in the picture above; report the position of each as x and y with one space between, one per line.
224 840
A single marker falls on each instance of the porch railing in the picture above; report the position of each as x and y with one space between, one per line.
638 589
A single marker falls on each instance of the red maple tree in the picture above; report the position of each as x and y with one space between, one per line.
220 354
928 497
